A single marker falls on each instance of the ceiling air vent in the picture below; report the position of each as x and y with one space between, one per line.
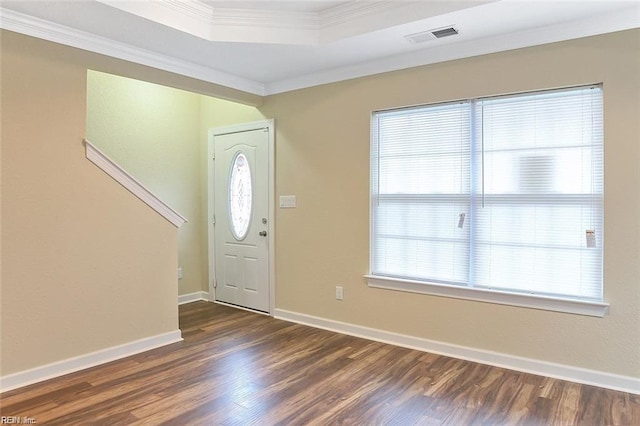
423 36
444 32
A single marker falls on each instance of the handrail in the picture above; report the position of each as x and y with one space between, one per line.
121 176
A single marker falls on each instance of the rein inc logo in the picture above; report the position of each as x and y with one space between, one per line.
17 420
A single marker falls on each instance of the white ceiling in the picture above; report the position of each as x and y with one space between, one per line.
267 47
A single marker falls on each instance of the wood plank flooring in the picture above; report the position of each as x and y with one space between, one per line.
239 368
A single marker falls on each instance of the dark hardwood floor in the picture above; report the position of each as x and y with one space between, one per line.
239 368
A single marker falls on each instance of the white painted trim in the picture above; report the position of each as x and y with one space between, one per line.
244 127
70 365
272 215
227 24
46 30
354 18
502 360
580 307
251 25
211 233
121 176
193 297
261 20
191 17
347 12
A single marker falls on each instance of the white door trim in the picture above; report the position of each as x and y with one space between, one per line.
245 127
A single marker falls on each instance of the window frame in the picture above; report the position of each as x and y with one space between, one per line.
554 303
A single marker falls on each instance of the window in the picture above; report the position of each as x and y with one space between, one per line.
492 198
240 196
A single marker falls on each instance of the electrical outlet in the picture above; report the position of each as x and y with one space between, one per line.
179 273
339 293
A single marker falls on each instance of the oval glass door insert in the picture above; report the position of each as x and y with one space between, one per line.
240 196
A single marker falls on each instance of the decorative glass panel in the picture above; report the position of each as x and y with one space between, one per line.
240 196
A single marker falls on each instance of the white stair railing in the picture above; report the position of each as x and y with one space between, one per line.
121 176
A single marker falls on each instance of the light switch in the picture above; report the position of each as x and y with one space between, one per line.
287 201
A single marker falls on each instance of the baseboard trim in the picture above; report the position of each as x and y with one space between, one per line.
70 365
527 365
193 297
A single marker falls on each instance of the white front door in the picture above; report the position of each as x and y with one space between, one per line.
241 218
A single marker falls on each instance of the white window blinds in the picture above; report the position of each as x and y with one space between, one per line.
421 172
498 193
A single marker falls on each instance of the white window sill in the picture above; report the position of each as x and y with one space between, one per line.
580 307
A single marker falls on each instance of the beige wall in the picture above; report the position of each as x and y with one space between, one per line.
159 135
85 265
153 131
82 261
322 156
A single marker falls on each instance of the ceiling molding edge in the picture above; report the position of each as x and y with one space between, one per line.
265 19
619 20
46 30
266 26
345 13
25 24
192 18
224 24
196 9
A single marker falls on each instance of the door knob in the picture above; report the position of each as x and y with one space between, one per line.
262 233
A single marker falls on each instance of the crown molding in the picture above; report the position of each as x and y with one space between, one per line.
191 17
46 30
266 19
274 26
619 20
227 24
194 8
615 21
355 18
264 26
347 12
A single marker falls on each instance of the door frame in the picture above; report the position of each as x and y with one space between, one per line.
268 124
